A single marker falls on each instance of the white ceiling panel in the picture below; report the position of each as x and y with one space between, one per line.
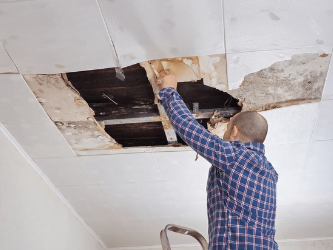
268 25
242 64
47 37
145 30
328 89
139 199
323 129
187 190
319 157
182 165
40 139
6 64
17 103
287 158
86 198
316 184
106 169
293 124
64 171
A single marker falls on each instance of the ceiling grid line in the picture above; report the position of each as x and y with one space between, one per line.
10 59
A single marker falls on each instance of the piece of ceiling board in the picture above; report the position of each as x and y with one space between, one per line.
40 139
293 124
17 102
146 30
105 169
65 171
323 129
241 64
328 89
49 37
6 64
267 25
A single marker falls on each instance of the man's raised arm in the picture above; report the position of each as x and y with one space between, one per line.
216 150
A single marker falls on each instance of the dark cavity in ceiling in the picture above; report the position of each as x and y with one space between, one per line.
127 107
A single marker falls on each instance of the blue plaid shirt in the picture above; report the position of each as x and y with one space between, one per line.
241 188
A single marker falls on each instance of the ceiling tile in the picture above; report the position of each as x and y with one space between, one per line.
293 124
6 64
268 25
316 183
139 199
182 165
323 129
145 30
319 158
56 36
288 184
287 158
40 139
328 89
187 190
64 171
241 64
83 198
193 215
106 169
17 103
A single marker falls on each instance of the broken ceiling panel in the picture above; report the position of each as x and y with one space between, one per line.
6 64
70 113
242 64
289 82
129 109
268 24
55 36
147 30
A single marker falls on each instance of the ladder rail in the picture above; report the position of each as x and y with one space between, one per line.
181 230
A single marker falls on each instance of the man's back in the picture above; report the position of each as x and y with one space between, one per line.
241 200
241 186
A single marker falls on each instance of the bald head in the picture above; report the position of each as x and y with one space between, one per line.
251 125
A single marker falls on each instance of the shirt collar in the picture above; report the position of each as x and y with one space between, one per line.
255 146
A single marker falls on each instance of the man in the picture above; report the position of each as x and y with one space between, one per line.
241 188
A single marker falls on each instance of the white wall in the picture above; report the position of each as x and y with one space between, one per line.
32 216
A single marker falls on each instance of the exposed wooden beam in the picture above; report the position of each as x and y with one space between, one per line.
201 114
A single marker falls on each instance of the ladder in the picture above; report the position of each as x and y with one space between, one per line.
181 230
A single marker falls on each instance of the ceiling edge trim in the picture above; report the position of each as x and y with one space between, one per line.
48 182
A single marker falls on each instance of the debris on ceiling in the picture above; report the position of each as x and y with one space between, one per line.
70 112
95 110
289 82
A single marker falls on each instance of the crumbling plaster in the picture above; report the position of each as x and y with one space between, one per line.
70 113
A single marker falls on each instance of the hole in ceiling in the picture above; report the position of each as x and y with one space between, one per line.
128 110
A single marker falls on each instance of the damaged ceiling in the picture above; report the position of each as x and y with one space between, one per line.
81 125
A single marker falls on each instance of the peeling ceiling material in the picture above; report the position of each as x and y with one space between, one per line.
70 112
290 82
217 124
212 69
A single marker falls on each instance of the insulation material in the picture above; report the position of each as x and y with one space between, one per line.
70 113
217 125
212 69
289 82
147 30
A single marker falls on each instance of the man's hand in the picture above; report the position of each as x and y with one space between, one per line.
167 79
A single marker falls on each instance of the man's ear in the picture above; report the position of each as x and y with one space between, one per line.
234 134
